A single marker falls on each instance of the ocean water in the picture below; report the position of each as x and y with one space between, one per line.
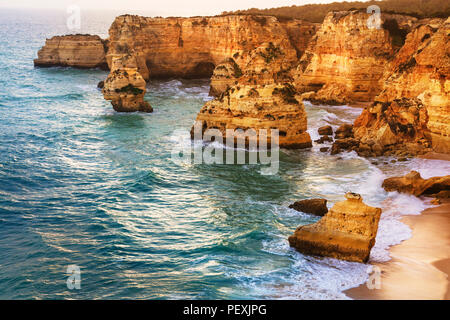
83 185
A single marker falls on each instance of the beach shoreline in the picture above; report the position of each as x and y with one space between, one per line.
420 266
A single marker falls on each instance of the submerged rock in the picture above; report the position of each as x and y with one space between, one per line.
414 184
317 207
346 232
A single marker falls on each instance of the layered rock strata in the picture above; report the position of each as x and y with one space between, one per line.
193 47
346 232
258 107
125 87
80 51
345 60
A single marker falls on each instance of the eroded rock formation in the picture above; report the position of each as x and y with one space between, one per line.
192 47
414 184
80 51
346 232
259 107
125 87
413 110
345 60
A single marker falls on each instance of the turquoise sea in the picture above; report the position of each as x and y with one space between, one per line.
83 185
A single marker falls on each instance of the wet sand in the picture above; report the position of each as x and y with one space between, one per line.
420 266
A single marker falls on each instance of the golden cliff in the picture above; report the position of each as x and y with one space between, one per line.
345 61
413 110
192 47
80 51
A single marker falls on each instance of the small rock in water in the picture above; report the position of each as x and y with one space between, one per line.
325 131
324 149
317 207
101 85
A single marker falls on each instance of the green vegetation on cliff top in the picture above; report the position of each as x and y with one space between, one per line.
317 12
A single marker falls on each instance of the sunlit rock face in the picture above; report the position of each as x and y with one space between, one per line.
192 47
346 232
414 184
125 87
258 107
413 109
345 60
81 51
269 63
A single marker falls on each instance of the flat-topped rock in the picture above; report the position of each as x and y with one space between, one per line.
346 232
80 51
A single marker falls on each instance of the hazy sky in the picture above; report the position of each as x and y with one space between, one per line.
160 7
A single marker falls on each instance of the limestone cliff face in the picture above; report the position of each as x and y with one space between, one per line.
413 109
81 51
346 60
125 87
269 63
347 232
192 47
259 107
300 33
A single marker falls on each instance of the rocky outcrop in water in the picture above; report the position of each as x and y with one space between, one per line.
413 110
317 207
80 51
414 184
125 87
345 60
259 107
346 232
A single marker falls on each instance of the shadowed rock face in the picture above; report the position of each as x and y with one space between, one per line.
345 60
414 184
413 109
80 51
259 107
346 232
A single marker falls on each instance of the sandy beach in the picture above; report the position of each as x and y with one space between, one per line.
420 266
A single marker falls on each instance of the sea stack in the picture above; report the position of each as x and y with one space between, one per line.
125 87
259 107
346 232
79 51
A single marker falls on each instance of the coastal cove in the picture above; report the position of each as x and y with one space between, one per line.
84 184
